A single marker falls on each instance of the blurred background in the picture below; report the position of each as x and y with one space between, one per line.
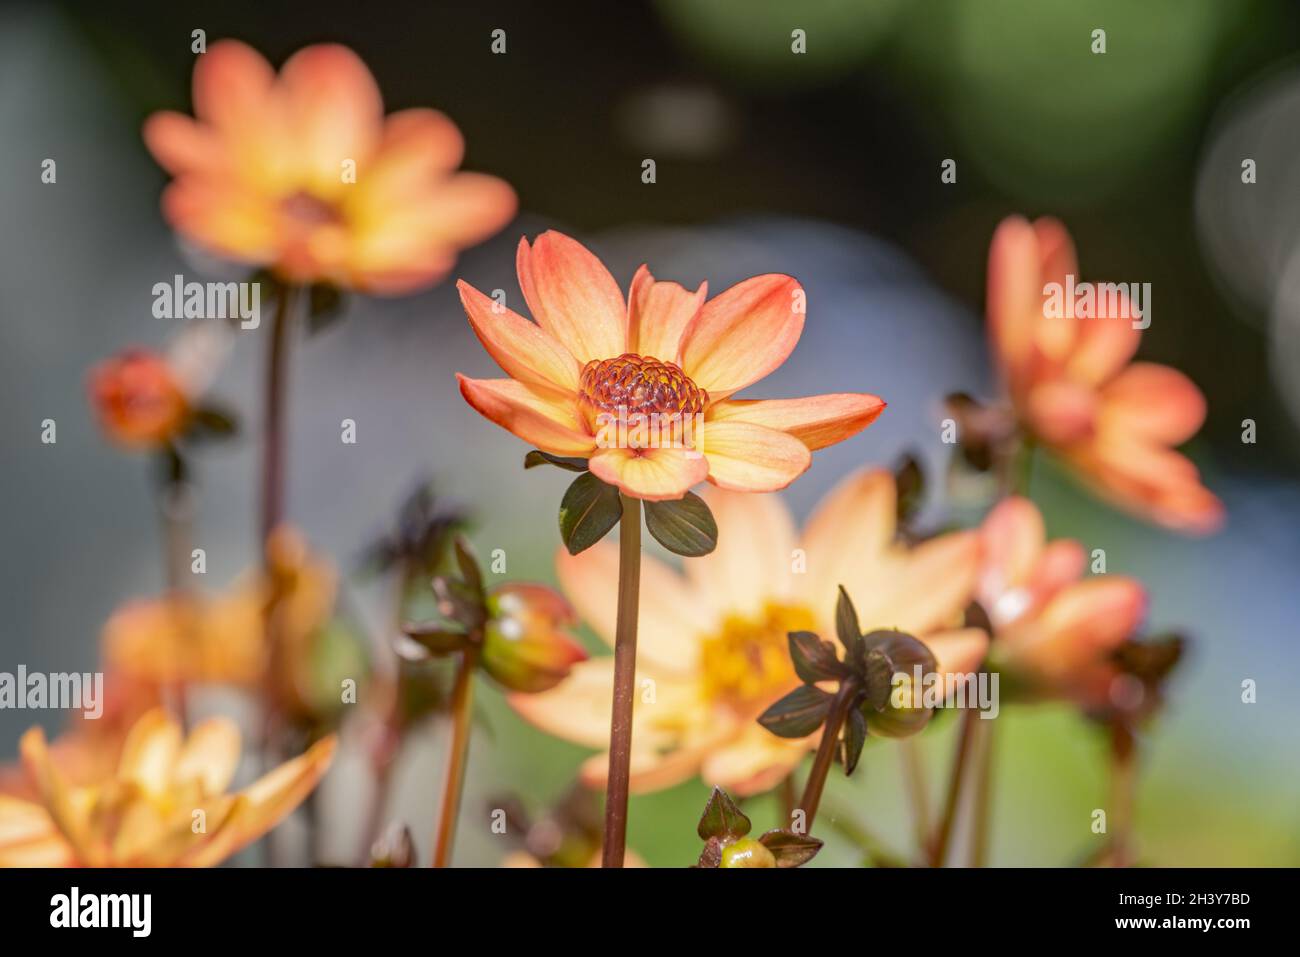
824 165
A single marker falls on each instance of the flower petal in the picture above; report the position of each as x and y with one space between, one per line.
655 475
754 761
751 566
1015 297
657 315
852 525
181 145
672 615
959 650
572 296
210 756
751 458
149 754
817 421
1082 623
1156 401
540 419
232 82
521 348
743 334
937 583
1061 411
1013 537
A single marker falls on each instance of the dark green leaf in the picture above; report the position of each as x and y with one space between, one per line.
722 819
711 856
459 602
537 457
173 469
878 680
910 482
814 659
1152 659
589 509
208 421
798 714
468 564
790 849
848 630
977 617
854 737
325 305
684 527
439 639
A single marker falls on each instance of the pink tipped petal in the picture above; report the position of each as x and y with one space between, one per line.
1015 297
1062 412
1061 564
751 458
1104 345
743 334
521 348
232 82
181 145
572 296
542 421
751 567
672 615
1083 623
1149 480
466 208
1013 536
959 650
335 110
1056 254
658 313
816 421
853 524
1156 401
652 474
936 584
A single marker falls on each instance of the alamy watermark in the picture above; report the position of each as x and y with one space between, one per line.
179 299
64 691
651 430
931 689
1098 300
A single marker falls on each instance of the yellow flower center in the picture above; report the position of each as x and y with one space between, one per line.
746 664
632 385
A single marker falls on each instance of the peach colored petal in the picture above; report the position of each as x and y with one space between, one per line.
1056 254
817 421
1082 623
751 458
572 296
743 334
55 794
1013 537
1104 345
223 217
1155 401
1015 298
959 650
936 584
852 525
1061 412
459 210
655 475
754 761
28 838
209 756
521 348
671 614
536 418
181 145
232 83
648 772
751 567
1148 480
417 146
150 751
657 315
1054 336
1062 563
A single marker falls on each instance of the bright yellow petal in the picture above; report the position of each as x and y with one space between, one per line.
210 756
751 567
652 474
149 754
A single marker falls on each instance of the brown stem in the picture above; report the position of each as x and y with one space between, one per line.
918 791
786 795
176 508
983 814
462 701
273 430
620 718
812 790
939 846
1123 789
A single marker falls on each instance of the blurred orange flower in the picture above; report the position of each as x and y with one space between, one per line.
1052 627
1075 388
303 173
712 644
138 398
593 362
165 805
526 646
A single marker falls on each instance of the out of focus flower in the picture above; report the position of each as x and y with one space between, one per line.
1075 389
138 399
1055 631
627 383
166 804
712 644
302 172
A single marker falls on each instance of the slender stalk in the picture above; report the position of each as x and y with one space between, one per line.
961 758
812 790
620 719
918 791
176 508
1123 791
462 702
786 795
273 431
982 815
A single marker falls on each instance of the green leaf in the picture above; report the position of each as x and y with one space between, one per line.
468 564
711 856
879 679
537 457
684 527
589 509
854 737
848 630
722 819
210 422
814 660
910 483
439 639
790 849
324 306
798 714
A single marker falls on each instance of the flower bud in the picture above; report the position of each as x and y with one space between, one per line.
525 646
900 713
747 852
138 399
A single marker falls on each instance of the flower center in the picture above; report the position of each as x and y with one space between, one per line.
746 664
309 212
640 393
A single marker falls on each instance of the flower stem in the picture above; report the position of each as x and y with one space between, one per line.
918 791
620 719
177 510
462 701
1123 788
939 846
273 430
982 815
812 790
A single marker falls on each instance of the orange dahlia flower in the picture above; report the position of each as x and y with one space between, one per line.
139 399
1053 629
303 173
712 644
1076 390
165 805
643 387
